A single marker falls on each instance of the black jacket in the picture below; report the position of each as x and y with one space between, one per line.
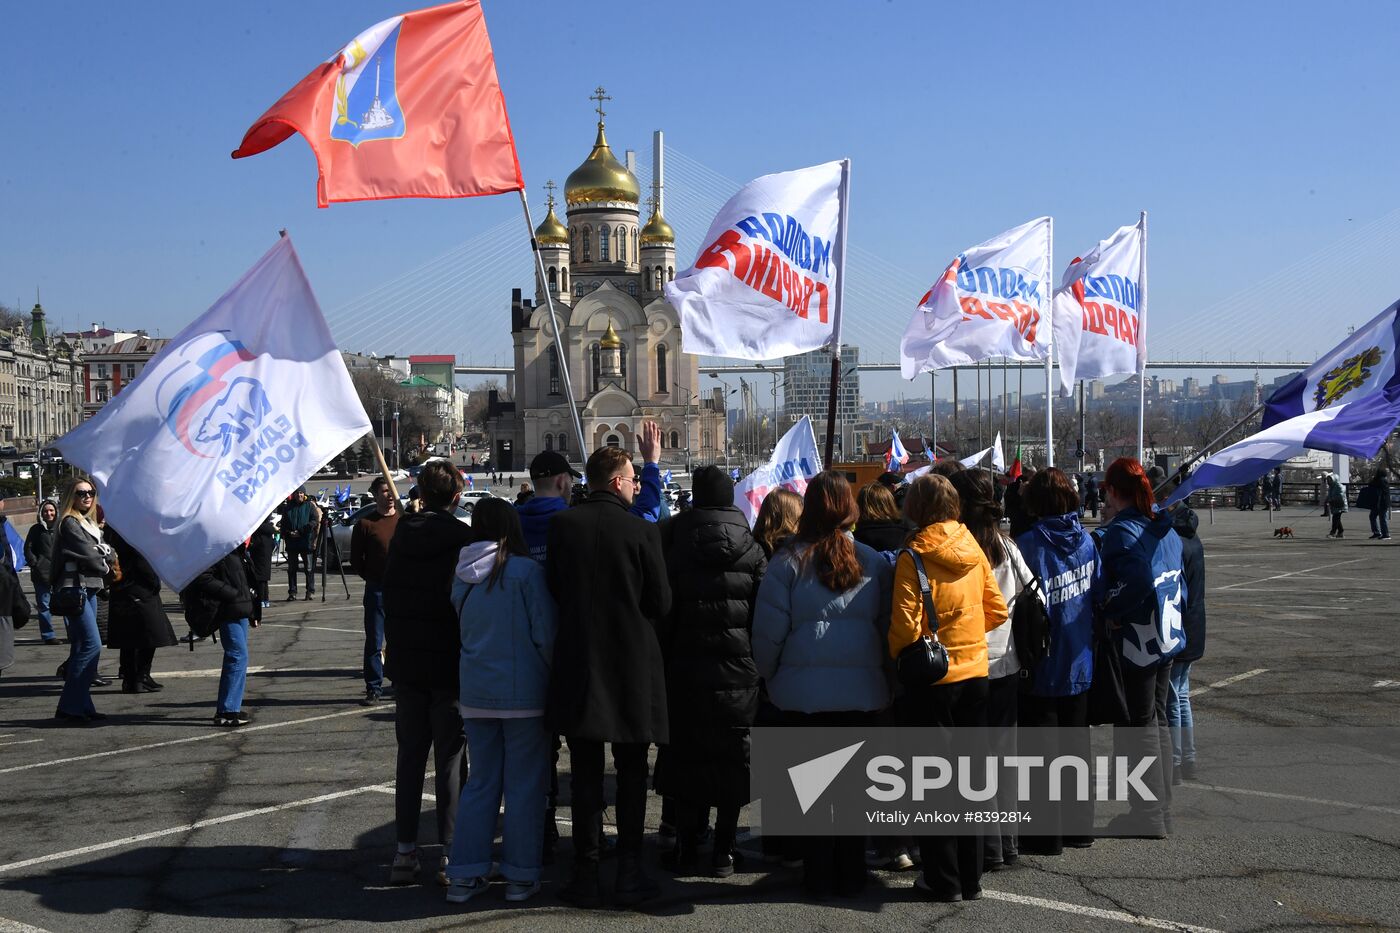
882 535
38 549
136 618
1193 564
221 594
608 577
260 547
14 613
420 626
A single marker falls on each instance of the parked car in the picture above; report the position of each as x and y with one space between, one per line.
9 450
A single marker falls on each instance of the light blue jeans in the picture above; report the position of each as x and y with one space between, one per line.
42 592
76 699
514 756
234 675
1179 718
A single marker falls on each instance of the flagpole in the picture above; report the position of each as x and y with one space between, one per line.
956 439
933 397
1142 331
383 466
845 197
1005 402
1050 353
554 323
1205 448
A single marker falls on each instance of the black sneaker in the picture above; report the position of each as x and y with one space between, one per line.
290 597
371 698
231 720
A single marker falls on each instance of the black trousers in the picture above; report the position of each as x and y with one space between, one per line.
587 802
427 718
999 844
135 663
952 864
1069 716
307 559
1147 690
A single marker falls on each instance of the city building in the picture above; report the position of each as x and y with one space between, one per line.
806 391
41 382
112 364
604 271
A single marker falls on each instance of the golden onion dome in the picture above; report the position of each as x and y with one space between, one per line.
610 341
551 232
657 231
601 177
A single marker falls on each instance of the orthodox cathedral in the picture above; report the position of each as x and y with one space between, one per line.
622 339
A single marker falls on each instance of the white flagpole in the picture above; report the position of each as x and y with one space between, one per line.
1142 332
845 197
1050 351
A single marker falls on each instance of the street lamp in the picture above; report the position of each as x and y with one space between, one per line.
39 425
774 374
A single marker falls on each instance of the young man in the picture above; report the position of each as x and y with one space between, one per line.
369 553
607 574
421 659
300 521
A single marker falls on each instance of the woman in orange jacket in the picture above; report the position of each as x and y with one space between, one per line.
969 604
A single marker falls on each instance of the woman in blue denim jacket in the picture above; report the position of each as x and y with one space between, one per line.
508 623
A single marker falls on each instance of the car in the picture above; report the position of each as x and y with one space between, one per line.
474 496
9 450
342 530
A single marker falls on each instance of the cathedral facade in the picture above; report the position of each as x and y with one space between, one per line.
604 270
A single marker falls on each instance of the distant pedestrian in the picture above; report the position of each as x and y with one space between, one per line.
261 545
223 594
369 555
524 495
301 519
137 624
38 545
1380 505
1336 503
79 566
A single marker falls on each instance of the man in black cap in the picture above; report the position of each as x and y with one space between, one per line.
554 482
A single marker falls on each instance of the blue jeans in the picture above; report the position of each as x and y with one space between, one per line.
42 592
1380 520
512 755
76 699
1179 718
234 675
374 638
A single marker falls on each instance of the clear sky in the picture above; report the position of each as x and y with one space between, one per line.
1255 134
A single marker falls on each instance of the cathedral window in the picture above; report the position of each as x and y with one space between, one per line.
675 440
549 442
623 351
553 280
603 244
564 279
632 287
597 365
621 244
563 442
553 369
661 382
670 273
705 439
587 247
614 441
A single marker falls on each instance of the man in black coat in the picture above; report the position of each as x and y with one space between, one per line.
606 572
423 645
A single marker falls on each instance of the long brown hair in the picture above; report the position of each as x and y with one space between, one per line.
777 518
1125 477
496 520
828 512
980 512
877 503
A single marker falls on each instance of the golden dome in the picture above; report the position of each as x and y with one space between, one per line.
657 230
550 231
601 177
610 341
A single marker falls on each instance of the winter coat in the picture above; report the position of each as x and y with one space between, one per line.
535 516
260 547
421 626
1336 495
38 549
1065 561
965 597
75 550
1193 563
883 535
223 592
608 577
299 525
1143 587
817 650
1020 521
1379 483
135 617
1011 575
507 631
14 613
714 567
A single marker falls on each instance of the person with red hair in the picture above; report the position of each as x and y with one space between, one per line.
1144 593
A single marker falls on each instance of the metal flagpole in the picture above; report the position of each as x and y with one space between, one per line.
1020 402
845 197
1005 402
977 375
1142 331
1050 357
933 396
554 324
957 442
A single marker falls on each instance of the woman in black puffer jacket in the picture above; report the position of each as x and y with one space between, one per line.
715 566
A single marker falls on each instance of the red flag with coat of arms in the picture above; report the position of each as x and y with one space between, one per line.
410 108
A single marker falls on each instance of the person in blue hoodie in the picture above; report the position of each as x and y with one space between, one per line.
1055 694
1142 601
508 622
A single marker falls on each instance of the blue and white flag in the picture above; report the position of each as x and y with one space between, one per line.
898 455
734 474
16 545
666 477
794 462
1348 402
239 409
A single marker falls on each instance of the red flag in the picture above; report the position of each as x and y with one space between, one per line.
411 108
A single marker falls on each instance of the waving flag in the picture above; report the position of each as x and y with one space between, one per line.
239 409
16 545
1348 402
971 462
992 300
793 464
666 477
734 474
1098 310
410 108
767 284
898 456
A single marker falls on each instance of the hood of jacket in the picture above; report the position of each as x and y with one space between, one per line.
538 510
718 536
950 544
425 535
1184 520
1061 533
476 560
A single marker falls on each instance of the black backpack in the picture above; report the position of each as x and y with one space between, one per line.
1030 625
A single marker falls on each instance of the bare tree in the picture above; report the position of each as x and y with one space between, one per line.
10 318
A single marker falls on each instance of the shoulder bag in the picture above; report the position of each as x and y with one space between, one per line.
925 662
67 601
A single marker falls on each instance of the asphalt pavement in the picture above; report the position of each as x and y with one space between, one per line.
156 820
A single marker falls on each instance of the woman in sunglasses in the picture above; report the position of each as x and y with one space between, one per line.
80 564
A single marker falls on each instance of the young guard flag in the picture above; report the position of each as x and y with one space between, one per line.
766 285
993 300
238 410
1098 311
410 108
1348 402
793 464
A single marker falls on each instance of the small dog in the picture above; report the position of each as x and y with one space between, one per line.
1284 532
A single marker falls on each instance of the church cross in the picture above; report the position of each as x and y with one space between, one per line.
600 95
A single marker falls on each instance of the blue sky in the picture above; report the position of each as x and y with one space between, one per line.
1254 134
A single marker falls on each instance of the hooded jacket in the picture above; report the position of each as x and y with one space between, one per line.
38 549
420 623
1144 587
1063 558
965 597
883 534
1011 575
506 629
535 516
1193 562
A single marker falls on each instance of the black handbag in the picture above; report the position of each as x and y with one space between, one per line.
925 662
1108 701
67 601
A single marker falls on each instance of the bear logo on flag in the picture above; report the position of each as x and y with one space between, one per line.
207 409
1352 374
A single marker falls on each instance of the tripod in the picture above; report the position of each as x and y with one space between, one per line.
323 547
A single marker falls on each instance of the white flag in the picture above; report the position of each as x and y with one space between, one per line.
971 462
1098 311
795 461
767 284
998 458
237 411
993 300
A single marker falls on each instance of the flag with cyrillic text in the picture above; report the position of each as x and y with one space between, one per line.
1098 311
765 285
992 300
794 462
239 409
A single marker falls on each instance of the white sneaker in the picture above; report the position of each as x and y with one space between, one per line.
518 891
442 872
459 891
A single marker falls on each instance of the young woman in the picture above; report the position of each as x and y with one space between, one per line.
777 520
37 546
79 564
508 622
818 628
137 624
969 605
880 525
